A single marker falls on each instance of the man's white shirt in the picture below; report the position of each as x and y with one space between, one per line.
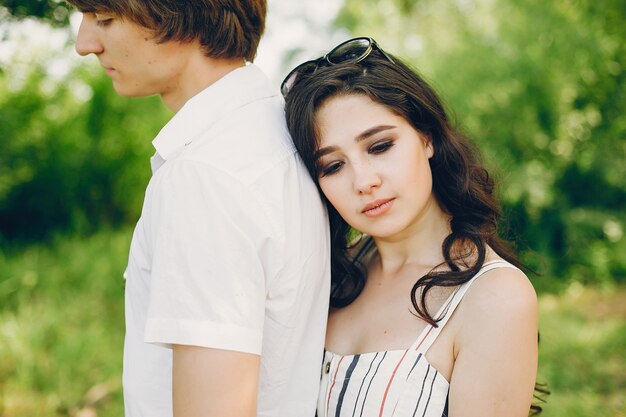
231 251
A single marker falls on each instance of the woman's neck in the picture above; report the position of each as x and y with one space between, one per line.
417 246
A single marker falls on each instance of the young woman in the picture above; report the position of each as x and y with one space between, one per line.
431 315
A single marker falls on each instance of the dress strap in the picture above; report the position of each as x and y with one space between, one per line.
430 333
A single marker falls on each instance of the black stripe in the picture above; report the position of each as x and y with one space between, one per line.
421 391
430 393
413 367
356 402
370 384
445 409
346 381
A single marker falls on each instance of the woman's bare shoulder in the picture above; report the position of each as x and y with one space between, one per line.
495 339
500 297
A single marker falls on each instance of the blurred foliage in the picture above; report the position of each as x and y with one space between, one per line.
541 87
55 12
61 327
75 155
581 353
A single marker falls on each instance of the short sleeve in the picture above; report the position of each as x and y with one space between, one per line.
208 283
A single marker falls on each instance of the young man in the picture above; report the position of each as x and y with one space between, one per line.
227 284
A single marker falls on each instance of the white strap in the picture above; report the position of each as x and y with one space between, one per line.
430 333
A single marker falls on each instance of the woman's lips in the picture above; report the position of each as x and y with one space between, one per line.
378 207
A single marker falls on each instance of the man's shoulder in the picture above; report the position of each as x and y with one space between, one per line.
247 143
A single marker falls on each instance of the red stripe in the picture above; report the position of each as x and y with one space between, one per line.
333 384
382 406
424 338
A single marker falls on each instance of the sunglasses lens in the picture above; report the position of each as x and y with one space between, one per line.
290 80
353 50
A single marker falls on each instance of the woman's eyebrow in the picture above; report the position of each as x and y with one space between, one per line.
324 151
360 137
372 131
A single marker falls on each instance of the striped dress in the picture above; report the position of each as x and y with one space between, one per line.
398 383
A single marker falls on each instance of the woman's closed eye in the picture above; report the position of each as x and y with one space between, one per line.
330 168
380 147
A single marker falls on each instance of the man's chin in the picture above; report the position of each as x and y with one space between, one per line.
125 91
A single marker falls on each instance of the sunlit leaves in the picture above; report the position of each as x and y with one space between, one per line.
541 87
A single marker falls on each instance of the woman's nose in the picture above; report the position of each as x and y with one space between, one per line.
87 41
366 178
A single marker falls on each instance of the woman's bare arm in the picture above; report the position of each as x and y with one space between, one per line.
495 348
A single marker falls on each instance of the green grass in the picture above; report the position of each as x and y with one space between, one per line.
62 327
583 352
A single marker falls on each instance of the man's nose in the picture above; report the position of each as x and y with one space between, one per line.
87 41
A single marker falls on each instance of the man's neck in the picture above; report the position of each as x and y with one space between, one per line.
199 73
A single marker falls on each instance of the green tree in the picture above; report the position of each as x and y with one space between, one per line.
541 88
55 12
75 155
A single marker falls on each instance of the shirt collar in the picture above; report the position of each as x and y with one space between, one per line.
237 88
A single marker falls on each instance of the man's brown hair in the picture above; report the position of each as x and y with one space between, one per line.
225 28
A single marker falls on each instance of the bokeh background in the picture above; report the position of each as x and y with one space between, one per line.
540 86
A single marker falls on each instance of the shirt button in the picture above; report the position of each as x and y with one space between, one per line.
327 368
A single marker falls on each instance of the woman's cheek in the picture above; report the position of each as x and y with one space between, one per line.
332 189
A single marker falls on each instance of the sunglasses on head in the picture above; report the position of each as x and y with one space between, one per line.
351 51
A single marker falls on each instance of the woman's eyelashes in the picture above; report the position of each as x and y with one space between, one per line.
381 146
332 167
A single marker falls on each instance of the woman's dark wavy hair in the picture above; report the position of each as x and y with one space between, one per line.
461 184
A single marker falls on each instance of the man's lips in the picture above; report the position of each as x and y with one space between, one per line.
108 70
377 207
